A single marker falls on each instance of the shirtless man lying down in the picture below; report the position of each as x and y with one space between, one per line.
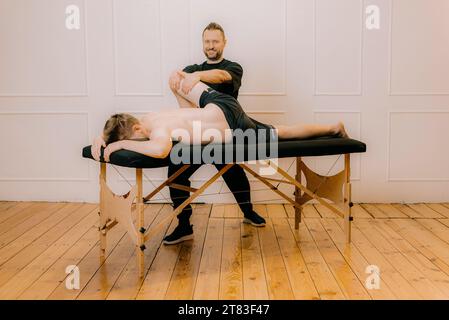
218 115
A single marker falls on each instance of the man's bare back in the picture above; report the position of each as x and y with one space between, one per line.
193 125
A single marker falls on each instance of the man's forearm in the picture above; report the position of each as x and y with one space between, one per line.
214 76
149 148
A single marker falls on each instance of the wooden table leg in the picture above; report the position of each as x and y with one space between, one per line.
102 233
347 198
298 211
140 223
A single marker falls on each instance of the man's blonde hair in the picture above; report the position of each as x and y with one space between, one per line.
119 127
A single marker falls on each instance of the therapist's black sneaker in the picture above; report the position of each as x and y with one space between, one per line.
181 233
254 219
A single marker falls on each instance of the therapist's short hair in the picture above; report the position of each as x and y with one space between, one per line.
214 26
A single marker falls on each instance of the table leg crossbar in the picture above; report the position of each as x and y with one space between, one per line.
115 209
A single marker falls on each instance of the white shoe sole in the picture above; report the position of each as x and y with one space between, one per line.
247 221
182 239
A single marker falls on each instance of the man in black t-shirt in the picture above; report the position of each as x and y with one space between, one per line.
233 69
224 76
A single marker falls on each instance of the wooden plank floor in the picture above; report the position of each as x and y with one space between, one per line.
409 244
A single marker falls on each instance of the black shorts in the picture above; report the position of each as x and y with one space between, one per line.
237 119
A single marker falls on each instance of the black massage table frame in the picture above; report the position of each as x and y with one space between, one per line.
116 209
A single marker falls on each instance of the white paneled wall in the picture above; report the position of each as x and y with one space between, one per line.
264 70
338 58
419 48
38 56
303 60
138 58
426 129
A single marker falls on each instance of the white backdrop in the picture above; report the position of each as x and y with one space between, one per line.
303 60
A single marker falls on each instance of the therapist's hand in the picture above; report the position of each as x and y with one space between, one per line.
190 80
95 149
175 80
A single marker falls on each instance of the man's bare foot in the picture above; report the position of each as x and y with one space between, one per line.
339 130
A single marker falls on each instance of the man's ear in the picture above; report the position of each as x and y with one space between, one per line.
137 127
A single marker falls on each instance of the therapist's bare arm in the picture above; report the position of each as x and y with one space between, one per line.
210 76
214 76
182 84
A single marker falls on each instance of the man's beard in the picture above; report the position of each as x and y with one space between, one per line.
216 55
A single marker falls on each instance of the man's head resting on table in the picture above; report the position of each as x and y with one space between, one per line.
123 126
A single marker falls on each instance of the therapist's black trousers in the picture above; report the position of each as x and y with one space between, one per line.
235 178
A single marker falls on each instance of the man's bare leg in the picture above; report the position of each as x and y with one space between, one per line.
305 131
299 131
195 94
183 102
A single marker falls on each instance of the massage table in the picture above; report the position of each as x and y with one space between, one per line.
336 189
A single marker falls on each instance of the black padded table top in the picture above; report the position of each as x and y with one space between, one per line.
229 153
